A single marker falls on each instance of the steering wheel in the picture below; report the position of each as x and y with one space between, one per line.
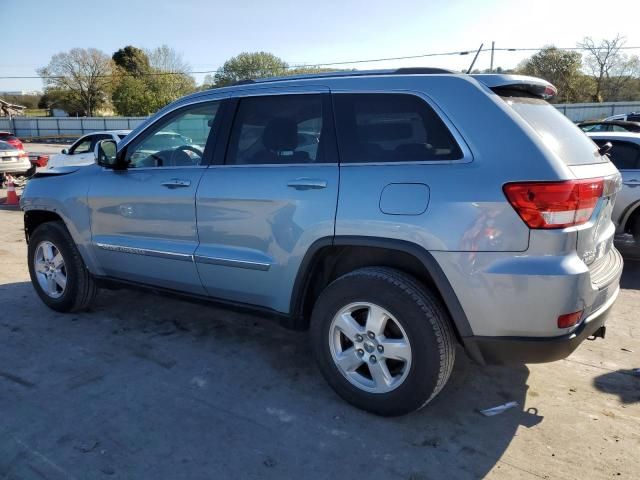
190 148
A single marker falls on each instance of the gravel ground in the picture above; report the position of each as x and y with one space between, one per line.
147 387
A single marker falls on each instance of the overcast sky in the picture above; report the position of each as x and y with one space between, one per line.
209 32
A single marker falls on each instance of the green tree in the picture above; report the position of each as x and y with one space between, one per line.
148 80
82 75
562 69
250 66
132 60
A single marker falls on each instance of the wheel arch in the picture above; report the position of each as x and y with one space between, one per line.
34 218
320 266
630 216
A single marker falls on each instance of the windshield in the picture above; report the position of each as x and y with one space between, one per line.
6 146
557 132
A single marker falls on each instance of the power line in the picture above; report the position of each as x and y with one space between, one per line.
318 65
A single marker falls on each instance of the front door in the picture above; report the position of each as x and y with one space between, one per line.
275 194
143 219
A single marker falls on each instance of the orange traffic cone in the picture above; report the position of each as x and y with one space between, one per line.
12 197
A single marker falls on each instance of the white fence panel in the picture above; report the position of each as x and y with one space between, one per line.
38 127
579 112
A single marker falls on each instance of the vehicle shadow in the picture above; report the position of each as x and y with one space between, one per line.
623 383
178 390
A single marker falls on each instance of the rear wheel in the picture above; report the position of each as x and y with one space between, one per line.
57 270
382 341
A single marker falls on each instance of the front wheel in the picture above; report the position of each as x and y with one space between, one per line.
382 341
57 270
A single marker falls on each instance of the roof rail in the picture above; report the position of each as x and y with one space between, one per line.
351 73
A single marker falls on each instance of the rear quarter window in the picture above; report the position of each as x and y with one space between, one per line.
557 132
381 127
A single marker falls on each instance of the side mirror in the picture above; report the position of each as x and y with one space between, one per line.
65 151
604 149
105 153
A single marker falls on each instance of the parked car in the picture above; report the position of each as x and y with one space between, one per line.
625 155
11 139
626 117
436 208
13 160
81 152
610 126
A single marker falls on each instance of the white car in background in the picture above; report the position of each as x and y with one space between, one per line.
625 117
81 152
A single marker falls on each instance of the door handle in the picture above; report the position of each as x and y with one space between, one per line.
176 183
307 184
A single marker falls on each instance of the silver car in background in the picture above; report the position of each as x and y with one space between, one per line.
625 155
13 160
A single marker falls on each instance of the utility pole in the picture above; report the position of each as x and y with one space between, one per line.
493 46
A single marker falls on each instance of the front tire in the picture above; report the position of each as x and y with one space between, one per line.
57 270
382 340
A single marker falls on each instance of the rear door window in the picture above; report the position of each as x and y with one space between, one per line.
624 155
282 129
557 132
390 127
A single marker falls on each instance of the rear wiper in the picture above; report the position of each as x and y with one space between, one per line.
604 148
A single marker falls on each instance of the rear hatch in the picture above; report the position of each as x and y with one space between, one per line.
584 204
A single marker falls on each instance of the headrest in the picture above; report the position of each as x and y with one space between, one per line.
280 134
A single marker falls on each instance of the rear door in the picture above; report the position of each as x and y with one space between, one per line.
270 197
626 157
143 219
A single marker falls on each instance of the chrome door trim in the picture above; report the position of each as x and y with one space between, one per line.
230 262
146 251
227 262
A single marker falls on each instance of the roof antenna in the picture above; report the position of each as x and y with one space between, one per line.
474 59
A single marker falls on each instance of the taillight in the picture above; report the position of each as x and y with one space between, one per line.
555 204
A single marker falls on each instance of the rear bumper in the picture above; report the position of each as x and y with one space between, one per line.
20 167
505 350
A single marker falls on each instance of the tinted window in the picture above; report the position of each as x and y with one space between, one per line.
7 136
6 146
374 127
277 129
556 131
624 155
633 117
176 141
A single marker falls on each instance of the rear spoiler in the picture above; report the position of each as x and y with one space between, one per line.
521 83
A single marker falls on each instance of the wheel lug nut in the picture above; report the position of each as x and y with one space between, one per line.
380 348
371 335
358 338
360 352
373 359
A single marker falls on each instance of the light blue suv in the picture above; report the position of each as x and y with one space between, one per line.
395 214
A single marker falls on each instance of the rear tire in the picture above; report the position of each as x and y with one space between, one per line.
414 348
57 271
